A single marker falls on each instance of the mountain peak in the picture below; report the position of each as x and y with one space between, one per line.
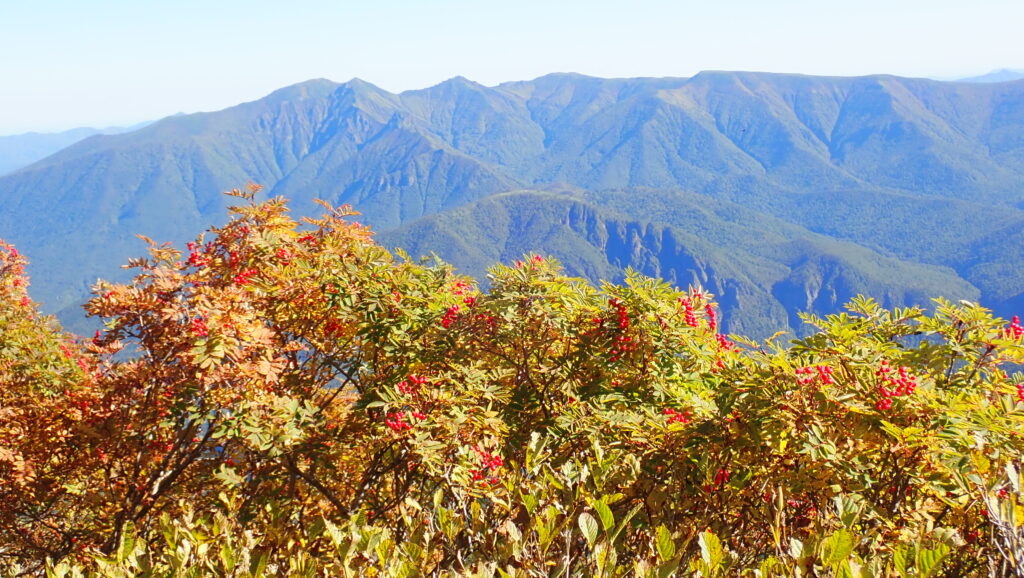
315 88
458 83
357 84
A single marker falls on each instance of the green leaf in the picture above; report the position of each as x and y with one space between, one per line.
588 525
625 520
126 544
929 562
837 547
258 564
711 550
227 558
530 502
901 560
668 569
229 476
605 513
666 546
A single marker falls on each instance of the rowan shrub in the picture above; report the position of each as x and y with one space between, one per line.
288 397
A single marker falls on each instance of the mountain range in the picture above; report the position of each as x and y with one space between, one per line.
779 193
1001 75
20 150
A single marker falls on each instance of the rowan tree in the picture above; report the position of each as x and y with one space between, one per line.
290 397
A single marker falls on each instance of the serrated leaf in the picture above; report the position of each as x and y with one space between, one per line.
901 561
929 562
837 547
711 550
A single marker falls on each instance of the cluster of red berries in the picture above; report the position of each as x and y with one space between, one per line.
306 239
622 345
676 416
74 400
199 328
450 316
1020 392
412 385
722 476
536 260
810 374
490 462
490 320
399 422
333 328
691 317
724 343
898 384
620 312
1015 330
470 301
283 256
196 257
161 445
243 278
712 317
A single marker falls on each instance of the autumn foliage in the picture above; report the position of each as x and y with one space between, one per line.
290 398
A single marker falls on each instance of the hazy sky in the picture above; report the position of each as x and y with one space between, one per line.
69 63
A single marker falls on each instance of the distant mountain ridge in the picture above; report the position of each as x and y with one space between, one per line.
1001 75
21 150
900 187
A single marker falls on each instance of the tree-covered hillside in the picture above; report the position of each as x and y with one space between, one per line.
915 172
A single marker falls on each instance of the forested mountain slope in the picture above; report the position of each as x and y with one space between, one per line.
780 192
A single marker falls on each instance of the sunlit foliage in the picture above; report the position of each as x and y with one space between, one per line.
290 398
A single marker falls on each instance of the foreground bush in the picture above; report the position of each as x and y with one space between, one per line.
285 399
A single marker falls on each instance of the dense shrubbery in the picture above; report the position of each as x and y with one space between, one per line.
284 399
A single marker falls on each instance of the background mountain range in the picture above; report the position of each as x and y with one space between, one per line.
20 150
1000 75
780 193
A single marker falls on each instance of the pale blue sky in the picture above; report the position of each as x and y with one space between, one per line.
69 63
